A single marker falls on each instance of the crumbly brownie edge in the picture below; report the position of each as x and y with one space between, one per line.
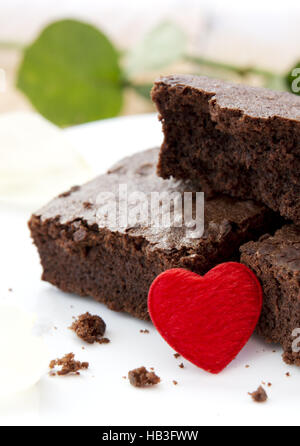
281 304
104 265
196 147
118 269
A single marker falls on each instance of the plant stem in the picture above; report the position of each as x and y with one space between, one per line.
142 89
241 71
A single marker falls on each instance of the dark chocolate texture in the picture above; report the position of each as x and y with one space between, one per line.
234 139
81 253
276 262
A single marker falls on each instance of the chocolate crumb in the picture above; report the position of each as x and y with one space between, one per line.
144 331
140 377
181 365
247 366
175 382
87 205
176 355
287 374
69 192
269 384
68 365
259 395
90 328
103 341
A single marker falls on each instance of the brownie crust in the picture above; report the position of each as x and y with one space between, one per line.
276 262
231 139
80 252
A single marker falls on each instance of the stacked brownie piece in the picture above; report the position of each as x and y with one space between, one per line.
232 139
276 261
244 142
83 252
239 145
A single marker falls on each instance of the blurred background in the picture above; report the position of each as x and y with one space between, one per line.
248 33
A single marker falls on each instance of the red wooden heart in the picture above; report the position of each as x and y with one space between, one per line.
208 319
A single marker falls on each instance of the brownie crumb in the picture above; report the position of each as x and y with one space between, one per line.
144 331
90 328
247 366
68 365
287 374
140 377
181 365
176 355
103 341
87 205
269 384
259 395
69 192
175 382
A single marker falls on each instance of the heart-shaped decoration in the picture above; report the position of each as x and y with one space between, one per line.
207 319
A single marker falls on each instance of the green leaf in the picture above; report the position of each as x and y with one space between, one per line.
71 74
293 79
162 46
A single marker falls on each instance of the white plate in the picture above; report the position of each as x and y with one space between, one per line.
100 395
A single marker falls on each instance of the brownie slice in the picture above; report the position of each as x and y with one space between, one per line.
276 261
82 253
233 139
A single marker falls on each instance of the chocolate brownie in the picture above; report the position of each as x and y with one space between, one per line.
90 328
259 395
141 377
276 262
234 139
81 252
68 365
